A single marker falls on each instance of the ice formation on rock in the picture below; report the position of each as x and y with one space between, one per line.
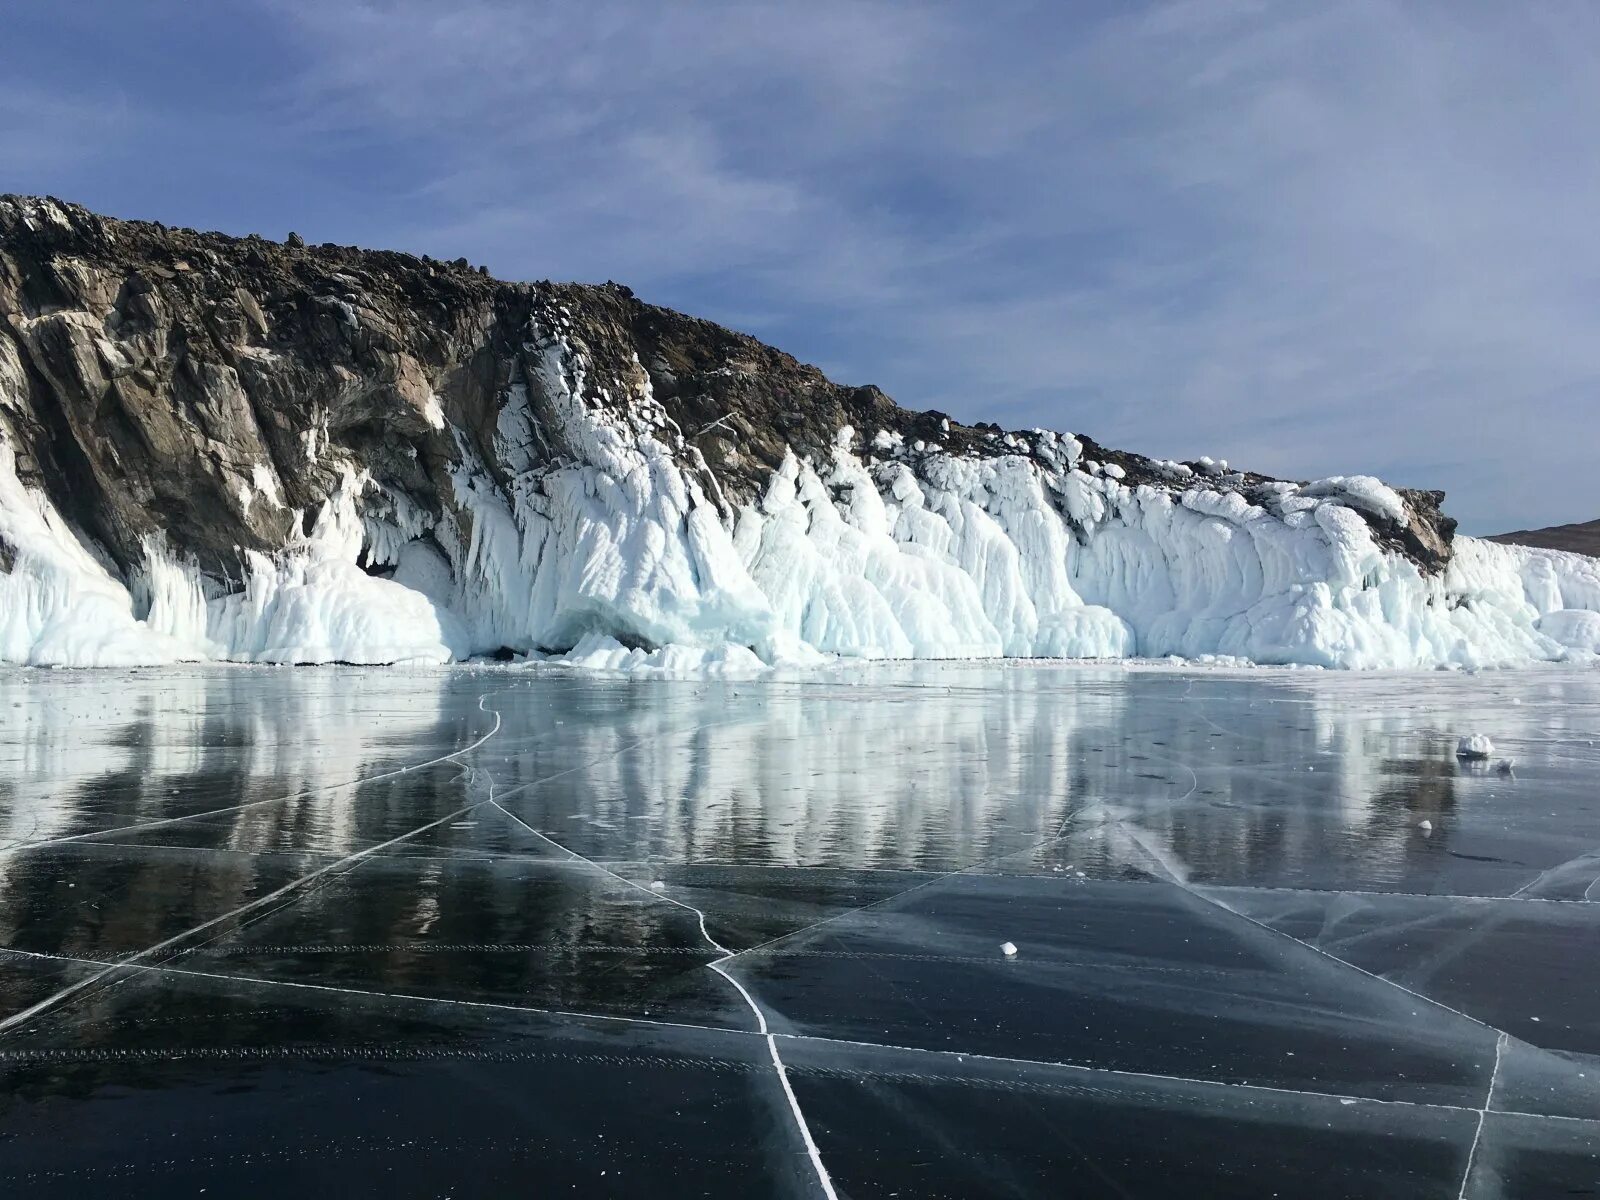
620 558
536 487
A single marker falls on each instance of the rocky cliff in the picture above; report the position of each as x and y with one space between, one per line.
262 445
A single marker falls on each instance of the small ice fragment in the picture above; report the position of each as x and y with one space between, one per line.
1345 1101
1425 826
1504 765
1009 949
1475 748
659 885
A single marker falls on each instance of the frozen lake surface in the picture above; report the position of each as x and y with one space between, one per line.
477 933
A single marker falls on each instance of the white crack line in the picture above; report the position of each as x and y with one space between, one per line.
374 994
824 1180
955 1056
971 870
1483 1113
1135 834
19 847
1550 873
1486 898
292 886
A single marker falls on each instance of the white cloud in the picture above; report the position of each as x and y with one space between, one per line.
1310 238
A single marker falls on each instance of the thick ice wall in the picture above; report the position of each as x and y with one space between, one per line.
1065 558
60 603
909 555
602 532
1210 573
377 458
313 603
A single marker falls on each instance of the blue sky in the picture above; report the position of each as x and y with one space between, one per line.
1308 238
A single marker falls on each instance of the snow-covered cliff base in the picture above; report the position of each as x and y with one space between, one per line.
879 552
218 448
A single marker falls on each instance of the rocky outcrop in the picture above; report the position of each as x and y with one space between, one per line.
529 456
208 387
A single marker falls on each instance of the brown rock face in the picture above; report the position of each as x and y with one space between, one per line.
169 377
209 388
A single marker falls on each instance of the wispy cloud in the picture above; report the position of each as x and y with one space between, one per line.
43 131
1307 237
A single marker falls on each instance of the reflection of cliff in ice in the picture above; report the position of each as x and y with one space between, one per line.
825 773
1228 774
1315 777
1225 775
81 752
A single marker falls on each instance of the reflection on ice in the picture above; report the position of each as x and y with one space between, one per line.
1269 902
1301 779
145 745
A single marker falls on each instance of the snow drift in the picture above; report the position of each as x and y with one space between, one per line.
566 471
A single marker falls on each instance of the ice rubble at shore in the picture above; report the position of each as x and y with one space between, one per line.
620 560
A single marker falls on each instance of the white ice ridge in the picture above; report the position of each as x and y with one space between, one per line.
62 604
600 535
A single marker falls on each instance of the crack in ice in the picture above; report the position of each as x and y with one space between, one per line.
232 808
1136 835
820 1039
1550 872
1487 897
1483 1113
824 1180
165 968
294 887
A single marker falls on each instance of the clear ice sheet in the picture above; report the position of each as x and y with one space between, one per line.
433 931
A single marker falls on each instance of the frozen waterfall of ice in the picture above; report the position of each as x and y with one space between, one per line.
620 553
